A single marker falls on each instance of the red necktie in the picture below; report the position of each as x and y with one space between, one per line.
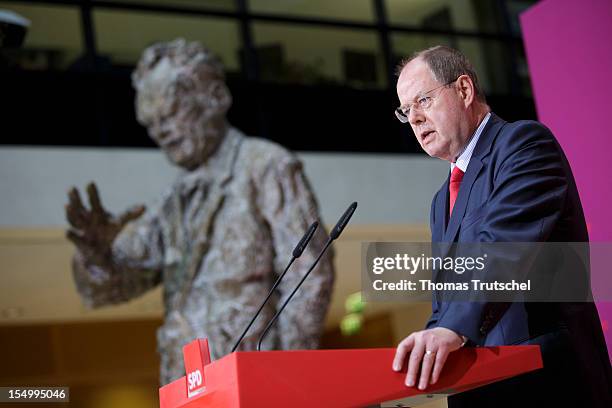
453 187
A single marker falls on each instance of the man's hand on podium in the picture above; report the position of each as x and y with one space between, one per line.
428 352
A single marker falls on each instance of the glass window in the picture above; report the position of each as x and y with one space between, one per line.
357 10
310 55
493 63
46 47
522 70
438 14
225 5
492 59
123 35
515 8
404 44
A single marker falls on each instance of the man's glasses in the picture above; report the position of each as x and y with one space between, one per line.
424 102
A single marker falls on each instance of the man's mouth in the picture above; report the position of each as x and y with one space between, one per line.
170 142
425 135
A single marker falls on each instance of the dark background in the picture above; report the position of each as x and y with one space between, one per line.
89 102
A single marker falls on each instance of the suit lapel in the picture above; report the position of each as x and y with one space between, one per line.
483 147
440 213
440 219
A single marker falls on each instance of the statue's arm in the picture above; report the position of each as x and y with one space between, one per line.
290 207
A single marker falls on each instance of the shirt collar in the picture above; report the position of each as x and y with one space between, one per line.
464 158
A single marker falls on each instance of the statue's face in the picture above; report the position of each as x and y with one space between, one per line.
183 112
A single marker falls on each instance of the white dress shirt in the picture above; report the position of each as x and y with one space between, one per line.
464 158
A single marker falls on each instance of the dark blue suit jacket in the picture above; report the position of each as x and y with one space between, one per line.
519 187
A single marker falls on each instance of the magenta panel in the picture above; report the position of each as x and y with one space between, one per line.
569 52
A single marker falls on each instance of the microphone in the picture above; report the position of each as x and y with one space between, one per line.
296 254
334 234
299 248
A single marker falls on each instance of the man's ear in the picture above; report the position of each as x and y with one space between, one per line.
466 89
221 95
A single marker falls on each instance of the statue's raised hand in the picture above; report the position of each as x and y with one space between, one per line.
93 230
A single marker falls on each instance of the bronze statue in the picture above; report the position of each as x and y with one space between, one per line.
220 234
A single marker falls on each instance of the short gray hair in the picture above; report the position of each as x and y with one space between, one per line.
191 56
446 64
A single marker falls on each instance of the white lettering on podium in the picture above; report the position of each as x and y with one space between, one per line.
194 380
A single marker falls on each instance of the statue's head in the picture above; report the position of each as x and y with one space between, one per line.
182 99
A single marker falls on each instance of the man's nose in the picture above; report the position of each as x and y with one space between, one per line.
160 129
416 117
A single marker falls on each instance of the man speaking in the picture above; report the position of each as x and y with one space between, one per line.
508 182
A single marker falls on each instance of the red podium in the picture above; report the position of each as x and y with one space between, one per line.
330 378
